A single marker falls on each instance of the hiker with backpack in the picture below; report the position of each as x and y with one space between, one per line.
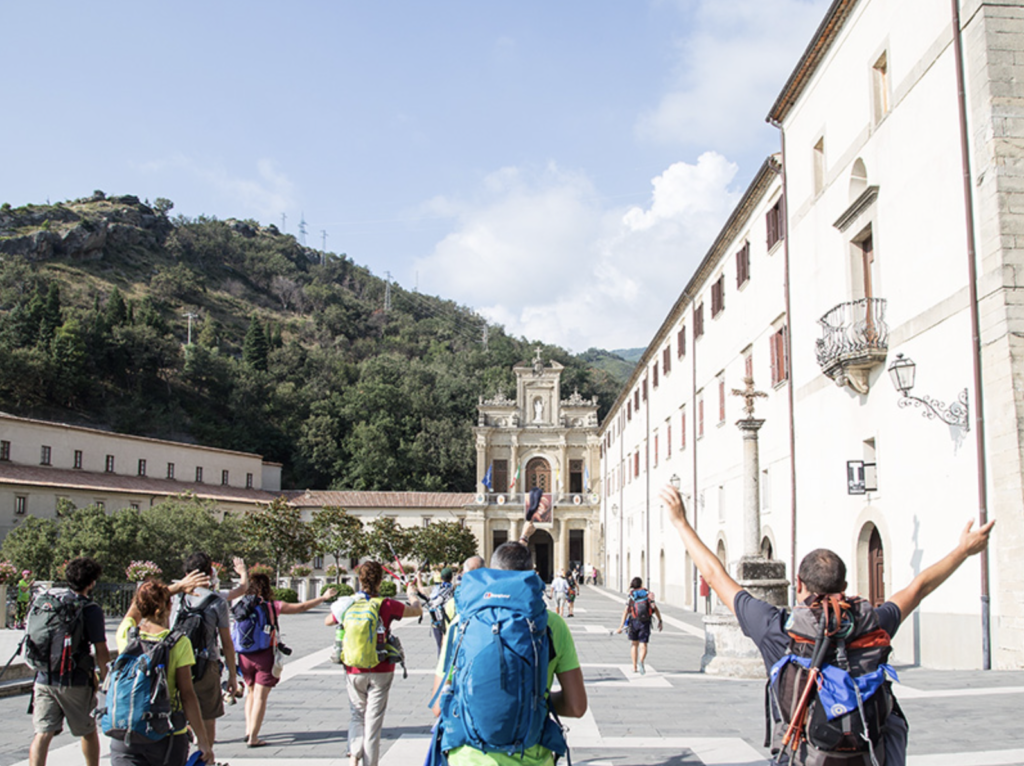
256 638
66 643
636 619
369 652
827 661
440 595
149 692
202 615
492 687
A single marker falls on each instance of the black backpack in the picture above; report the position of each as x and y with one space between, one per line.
832 636
54 639
436 608
640 605
191 622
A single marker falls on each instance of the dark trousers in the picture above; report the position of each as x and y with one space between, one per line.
142 752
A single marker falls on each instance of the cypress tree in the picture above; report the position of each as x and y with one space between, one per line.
116 311
254 348
50 319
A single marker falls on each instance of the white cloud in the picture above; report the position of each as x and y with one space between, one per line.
730 65
539 253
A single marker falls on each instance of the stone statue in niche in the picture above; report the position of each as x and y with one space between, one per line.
538 410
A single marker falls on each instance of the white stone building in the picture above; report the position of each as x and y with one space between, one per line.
882 237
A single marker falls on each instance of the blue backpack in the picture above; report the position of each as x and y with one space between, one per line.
495 695
253 627
138 698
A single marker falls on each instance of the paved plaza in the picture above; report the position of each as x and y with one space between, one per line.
672 715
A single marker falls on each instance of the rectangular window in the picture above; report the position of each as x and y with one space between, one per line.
681 342
654 368
666 359
78 458
818 160
776 224
44 455
248 481
318 562
682 429
109 464
780 370
142 467
224 478
636 465
643 387
698 321
5 450
668 438
576 476
636 400
20 504
718 296
199 474
748 365
721 398
134 506
499 480
101 505
170 470
700 415
629 410
743 264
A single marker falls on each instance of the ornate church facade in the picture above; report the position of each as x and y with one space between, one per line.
539 440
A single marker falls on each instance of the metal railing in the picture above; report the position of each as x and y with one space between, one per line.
115 598
853 330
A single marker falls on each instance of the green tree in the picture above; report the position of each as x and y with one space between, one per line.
338 534
386 539
254 348
30 545
444 543
111 540
69 353
50 319
278 529
116 310
182 525
162 205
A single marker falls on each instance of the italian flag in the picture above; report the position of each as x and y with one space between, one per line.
515 480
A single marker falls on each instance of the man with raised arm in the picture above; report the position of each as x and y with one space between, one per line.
821 574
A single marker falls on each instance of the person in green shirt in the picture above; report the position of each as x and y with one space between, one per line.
24 597
570 702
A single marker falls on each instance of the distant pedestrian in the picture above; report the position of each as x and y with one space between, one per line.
258 665
560 592
570 597
440 595
24 598
69 692
636 619
370 670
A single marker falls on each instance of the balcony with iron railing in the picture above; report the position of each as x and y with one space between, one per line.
518 499
854 339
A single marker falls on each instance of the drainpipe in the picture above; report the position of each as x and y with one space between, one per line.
972 289
622 508
695 503
647 483
788 355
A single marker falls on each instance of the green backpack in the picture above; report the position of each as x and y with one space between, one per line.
362 633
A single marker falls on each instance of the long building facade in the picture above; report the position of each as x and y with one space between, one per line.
861 258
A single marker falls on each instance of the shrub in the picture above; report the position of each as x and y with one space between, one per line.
8 572
344 589
301 571
138 571
388 589
286 595
262 569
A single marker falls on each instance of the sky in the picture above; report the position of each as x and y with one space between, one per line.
559 167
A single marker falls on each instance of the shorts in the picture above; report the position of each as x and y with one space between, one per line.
256 667
639 631
53 704
208 691
559 599
571 597
142 752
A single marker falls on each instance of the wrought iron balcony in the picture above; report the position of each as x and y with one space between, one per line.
854 339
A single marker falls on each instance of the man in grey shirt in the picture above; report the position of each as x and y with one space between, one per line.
821 571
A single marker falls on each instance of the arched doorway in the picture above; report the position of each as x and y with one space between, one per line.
876 569
720 552
766 548
538 474
543 549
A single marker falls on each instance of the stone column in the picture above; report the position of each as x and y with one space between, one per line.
751 487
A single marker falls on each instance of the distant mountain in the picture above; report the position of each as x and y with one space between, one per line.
629 354
306 358
617 366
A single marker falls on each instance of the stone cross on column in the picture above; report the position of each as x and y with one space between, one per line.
751 470
750 395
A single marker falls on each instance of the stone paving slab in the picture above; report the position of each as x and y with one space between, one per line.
672 715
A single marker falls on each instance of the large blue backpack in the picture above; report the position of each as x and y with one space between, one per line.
495 695
254 625
138 700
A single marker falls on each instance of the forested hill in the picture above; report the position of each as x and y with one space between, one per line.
291 358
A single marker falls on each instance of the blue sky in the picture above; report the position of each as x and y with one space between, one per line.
559 166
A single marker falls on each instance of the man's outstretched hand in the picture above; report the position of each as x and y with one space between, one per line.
973 541
674 503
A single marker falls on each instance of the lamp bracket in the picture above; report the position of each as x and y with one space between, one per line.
956 414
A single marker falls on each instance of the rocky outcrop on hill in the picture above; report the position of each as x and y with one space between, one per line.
80 229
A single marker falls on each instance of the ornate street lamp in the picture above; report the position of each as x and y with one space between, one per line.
675 481
903 371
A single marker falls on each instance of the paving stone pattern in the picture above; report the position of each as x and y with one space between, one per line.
672 715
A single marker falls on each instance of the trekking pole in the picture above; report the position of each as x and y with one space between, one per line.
796 726
16 653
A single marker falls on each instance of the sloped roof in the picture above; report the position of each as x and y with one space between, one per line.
347 499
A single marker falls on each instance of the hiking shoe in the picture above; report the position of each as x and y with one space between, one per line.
642 670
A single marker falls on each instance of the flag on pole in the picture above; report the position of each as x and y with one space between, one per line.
489 478
515 480
586 478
